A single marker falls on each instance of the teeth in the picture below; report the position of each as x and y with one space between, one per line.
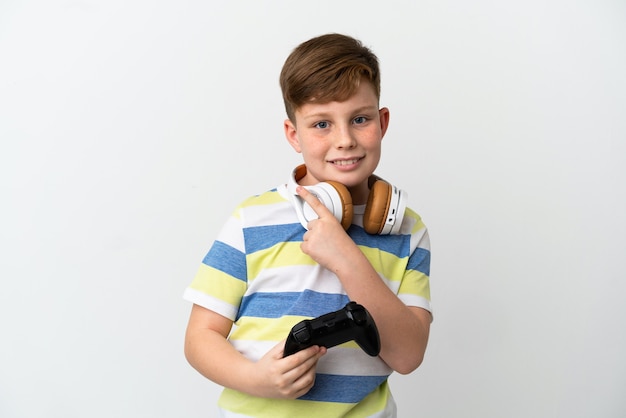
346 162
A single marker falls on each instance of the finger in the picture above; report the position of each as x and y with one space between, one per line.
305 382
278 350
306 354
313 201
304 362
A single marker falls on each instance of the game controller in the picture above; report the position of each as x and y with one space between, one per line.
352 322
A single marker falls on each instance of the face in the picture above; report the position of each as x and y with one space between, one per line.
340 141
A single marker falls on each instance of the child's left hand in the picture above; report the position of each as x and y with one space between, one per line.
325 241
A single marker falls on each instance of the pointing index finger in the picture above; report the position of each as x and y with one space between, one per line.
313 201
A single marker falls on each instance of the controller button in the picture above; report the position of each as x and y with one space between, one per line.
302 335
359 317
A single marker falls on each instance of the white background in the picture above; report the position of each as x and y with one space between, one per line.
130 130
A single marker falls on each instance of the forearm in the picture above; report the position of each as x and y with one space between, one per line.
403 331
272 376
216 359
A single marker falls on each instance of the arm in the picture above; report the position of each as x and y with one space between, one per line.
209 352
403 330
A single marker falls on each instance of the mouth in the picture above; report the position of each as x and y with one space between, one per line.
345 162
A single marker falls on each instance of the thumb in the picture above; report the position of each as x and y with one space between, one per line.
277 350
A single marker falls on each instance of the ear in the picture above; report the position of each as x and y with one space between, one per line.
292 135
383 114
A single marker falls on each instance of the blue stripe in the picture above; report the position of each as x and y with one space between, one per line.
420 261
395 244
225 258
343 389
262 237
275 305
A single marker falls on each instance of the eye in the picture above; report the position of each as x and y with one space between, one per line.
359 120
321 125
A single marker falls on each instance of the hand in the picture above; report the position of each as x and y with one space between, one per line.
325 241
289 377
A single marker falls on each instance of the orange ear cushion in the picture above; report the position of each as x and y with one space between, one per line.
377 207
346 202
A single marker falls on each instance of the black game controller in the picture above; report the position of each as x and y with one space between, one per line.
353 322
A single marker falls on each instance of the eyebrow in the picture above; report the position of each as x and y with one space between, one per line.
324 115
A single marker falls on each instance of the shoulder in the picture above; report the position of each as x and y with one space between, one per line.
269 197
268 208
265 199
410 213
412 222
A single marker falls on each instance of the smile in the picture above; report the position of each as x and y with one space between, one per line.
346 162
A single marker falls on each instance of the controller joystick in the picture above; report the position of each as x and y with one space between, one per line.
352 322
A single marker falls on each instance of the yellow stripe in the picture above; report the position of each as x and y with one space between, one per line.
278 408
419 224
240 403
282 254
415 283
264 329
387 264
286 254
268 198
270 329
216 283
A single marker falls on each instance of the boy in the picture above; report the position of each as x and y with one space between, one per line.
268 269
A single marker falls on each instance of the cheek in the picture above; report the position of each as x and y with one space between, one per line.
312 146
374 139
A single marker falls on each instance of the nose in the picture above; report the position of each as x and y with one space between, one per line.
344 138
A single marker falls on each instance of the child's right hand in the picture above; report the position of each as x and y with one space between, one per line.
288 377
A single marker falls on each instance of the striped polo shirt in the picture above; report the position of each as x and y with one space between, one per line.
256 275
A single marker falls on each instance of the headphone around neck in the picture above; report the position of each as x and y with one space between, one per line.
384 210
